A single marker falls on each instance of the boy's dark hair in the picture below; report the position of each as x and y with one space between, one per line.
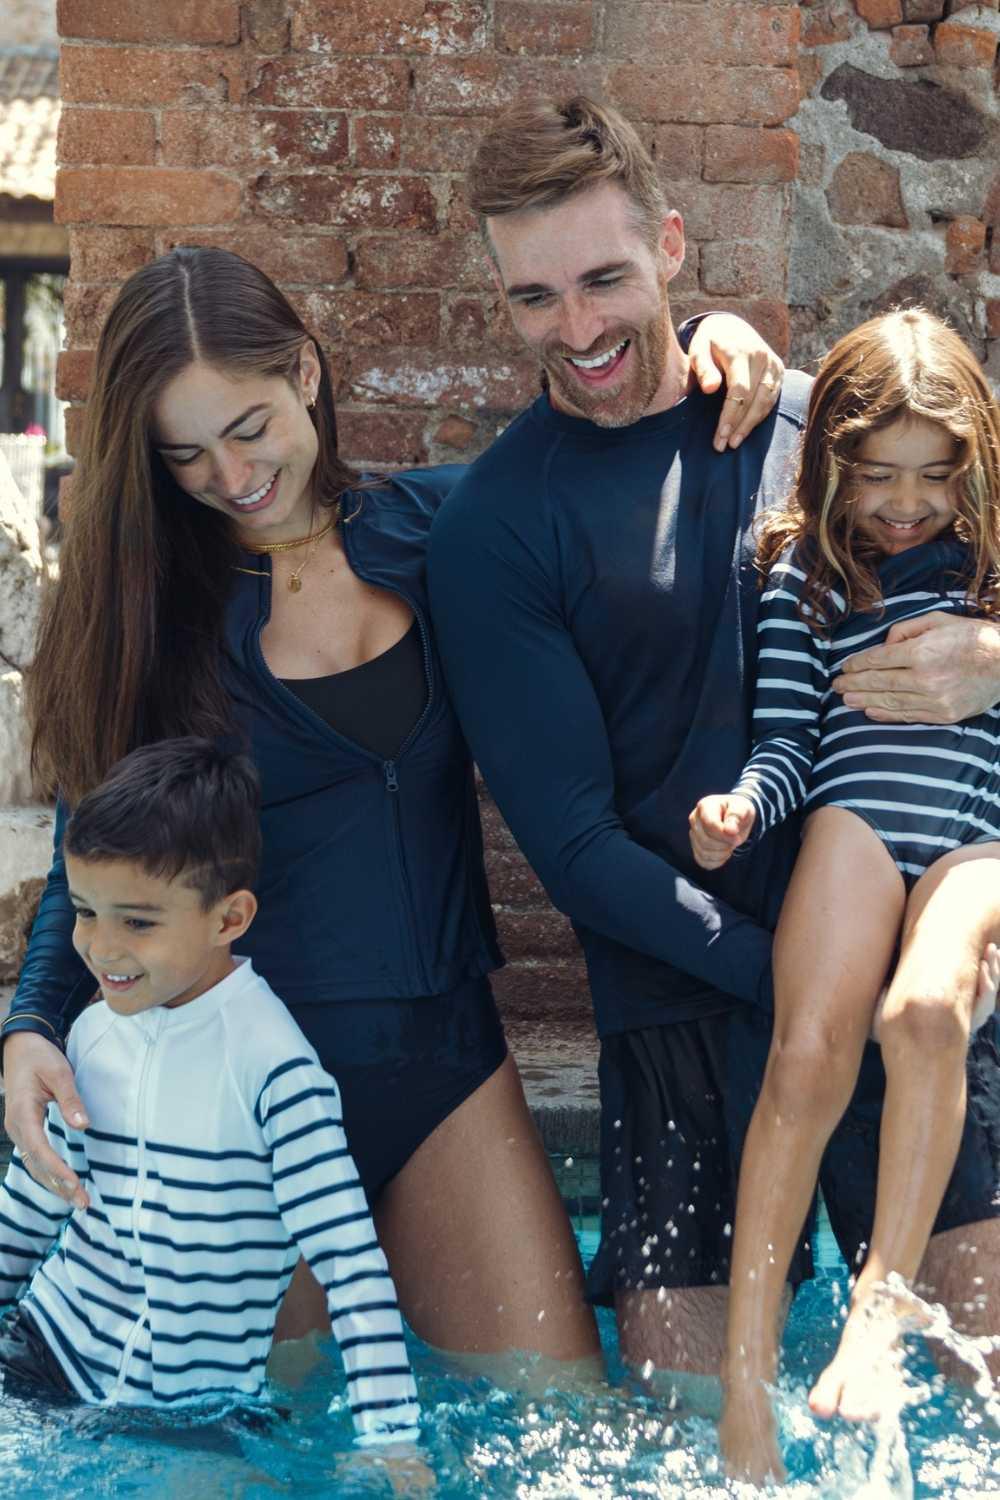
179 807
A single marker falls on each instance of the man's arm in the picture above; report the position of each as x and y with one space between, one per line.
534 725
937 669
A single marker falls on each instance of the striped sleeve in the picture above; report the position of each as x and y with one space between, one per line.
324 1209
30 1219
792 680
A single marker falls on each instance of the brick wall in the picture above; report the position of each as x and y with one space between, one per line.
326 140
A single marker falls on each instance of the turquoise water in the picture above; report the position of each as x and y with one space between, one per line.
615 1443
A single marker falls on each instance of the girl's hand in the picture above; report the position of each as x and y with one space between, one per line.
718 826
36 1072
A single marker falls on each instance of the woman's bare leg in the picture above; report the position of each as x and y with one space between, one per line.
952 915
477 1238
833 946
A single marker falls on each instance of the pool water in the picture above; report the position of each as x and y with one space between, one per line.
612 1443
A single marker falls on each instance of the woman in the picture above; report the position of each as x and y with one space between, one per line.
223 572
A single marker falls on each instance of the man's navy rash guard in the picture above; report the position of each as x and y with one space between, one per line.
595 602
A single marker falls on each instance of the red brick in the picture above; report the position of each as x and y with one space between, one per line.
810 74
544 30
420 260
430 145
251 139
198 21
771 319
721 35
541 933
118 137
381 26
552 987
74 371
144 195
880 14
376 140
347 83
137 75
372 320
99 254
366 202
290 258
688 280
964 245
457 433
735 153
714 211
995 255
469 320
65 500
484 85
381 439
73 417
424 378
744 269
959 46
865 189
677 150
268 24
699 94
911 46
923 10
827 23
512 881
993 319
86 307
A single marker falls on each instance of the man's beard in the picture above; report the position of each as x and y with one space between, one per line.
621 405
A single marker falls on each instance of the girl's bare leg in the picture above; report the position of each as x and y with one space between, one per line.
833 946
478 1240
953 913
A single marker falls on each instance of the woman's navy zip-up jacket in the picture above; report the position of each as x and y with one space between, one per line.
372 882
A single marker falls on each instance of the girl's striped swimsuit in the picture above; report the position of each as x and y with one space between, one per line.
923 788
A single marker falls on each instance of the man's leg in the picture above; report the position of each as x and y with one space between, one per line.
668 1183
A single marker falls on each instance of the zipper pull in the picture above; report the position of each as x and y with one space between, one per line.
391 784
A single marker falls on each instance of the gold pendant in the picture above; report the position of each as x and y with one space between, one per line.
295 583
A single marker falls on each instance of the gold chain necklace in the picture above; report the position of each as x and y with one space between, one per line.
267 549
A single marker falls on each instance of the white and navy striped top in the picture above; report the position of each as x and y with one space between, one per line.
925 787
215 1155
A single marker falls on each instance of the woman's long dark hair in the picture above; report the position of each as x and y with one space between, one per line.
129 645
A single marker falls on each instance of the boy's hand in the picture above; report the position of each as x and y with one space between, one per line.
718 826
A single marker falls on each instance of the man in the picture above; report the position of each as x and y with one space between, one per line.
595 598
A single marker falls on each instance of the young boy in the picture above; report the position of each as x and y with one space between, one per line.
215 1153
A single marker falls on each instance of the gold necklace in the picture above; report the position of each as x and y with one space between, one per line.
268 548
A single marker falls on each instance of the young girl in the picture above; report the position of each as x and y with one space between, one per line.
896 513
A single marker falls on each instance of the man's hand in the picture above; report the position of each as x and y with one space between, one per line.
718 826
725 347
35 1072
938 669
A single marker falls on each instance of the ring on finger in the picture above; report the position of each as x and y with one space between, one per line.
738 400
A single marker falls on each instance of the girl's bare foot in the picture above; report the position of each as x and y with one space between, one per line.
864 1378
748 1435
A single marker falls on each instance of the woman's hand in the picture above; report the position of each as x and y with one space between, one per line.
725 347
35 1073
718 826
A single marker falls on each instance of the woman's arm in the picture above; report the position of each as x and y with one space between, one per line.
54 987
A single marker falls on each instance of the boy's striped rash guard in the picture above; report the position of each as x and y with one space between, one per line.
215 1156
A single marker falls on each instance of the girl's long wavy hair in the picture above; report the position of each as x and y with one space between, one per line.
130 642
905 364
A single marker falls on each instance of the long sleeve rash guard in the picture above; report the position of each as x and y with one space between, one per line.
595 600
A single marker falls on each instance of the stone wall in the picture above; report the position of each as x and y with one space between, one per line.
326 139
898 194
